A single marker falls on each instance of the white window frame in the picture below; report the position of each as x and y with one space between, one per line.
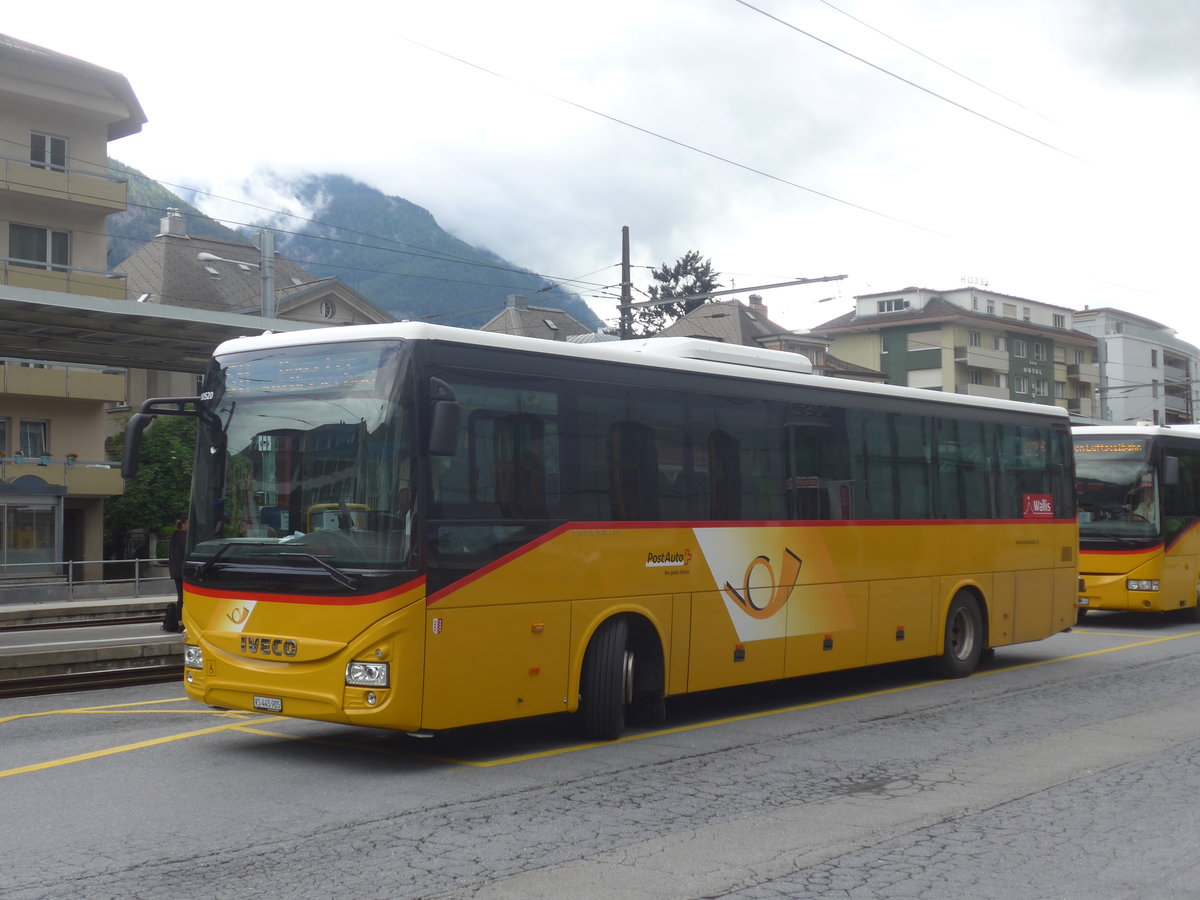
34 437
44 156
1019 349
56 247
1020 384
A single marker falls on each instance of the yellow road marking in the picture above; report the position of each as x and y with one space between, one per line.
112 751
249 726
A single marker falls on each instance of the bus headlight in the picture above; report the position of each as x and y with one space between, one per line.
1142 584
193 657
367 674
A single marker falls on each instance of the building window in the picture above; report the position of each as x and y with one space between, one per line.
327 309
1010 310
1154 388
1079 357
1080 392
1000 379
42 248
1018 349
48 152
33 437
885 306
1154 359
1040 387
991 307
975 377
973 338
1026 314
1060 321
4 436
1020 384
1039 352
999 343
1060 390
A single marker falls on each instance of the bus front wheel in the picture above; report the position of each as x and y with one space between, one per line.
963 643
606 682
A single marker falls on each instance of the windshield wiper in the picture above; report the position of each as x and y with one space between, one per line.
207 566
345 579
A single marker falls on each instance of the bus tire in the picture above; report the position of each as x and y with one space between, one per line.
605 681
963 644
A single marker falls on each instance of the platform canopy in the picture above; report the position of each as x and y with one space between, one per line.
96 331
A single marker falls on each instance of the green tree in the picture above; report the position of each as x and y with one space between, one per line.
160 492
691 274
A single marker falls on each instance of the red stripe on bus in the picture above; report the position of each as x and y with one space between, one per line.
649 526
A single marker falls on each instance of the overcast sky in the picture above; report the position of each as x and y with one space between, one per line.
1045 147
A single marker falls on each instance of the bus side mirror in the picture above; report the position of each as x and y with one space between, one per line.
443 430
443 425
1170 470
132 448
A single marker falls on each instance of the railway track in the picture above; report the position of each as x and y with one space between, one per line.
61 683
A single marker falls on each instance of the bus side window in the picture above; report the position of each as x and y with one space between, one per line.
633 472
519 454
724 476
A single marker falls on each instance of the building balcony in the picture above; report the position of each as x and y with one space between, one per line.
69 382
1089 372
1177 404
1079 406
983 390
1175 373
981 358
74 186
64 279
81 478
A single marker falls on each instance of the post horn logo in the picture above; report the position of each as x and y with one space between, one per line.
764 601
238 616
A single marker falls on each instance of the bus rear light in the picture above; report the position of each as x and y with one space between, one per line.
193 657
367 674
1142 584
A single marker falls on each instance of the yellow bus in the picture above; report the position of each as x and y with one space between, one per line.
1139 506
416 527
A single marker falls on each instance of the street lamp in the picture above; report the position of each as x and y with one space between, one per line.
266 247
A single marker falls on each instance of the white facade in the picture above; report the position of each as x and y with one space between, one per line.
1147 373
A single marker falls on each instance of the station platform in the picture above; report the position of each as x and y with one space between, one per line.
66 643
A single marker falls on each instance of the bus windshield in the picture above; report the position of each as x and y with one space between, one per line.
304 462
1117 488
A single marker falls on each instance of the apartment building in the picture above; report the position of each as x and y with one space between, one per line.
972 341
1147 373
57 115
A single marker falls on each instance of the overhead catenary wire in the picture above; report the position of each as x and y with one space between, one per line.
907 81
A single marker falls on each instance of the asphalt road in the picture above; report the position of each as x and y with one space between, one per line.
1067 768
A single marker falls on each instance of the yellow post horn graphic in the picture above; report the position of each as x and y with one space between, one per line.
782 589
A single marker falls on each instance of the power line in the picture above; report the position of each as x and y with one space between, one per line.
670 140
936 62
912 84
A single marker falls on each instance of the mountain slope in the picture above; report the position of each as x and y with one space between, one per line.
391 251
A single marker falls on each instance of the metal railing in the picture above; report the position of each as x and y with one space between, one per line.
57 581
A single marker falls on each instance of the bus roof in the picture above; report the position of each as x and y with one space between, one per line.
677 354
1191 432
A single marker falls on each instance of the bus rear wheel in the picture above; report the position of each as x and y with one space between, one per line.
606 683
963 644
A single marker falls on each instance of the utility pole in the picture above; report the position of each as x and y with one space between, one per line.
625 328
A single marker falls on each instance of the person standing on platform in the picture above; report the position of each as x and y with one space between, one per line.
173 619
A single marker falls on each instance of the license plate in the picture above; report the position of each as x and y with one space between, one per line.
268 704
